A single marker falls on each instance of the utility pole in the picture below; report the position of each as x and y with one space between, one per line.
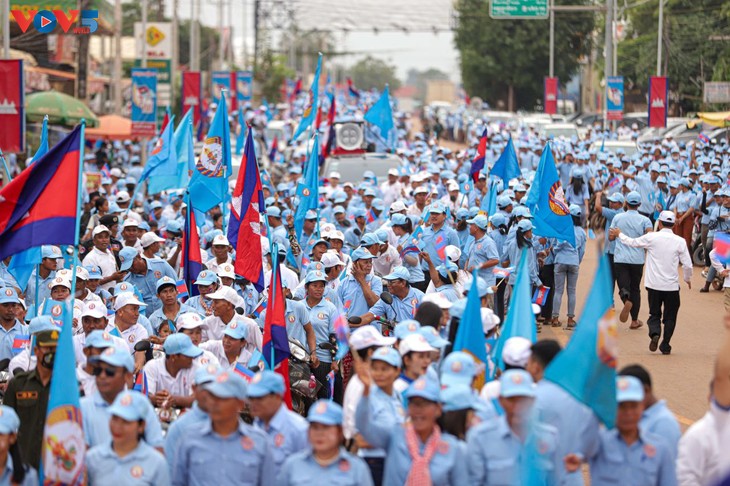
244 32
82 60
552 39
117 67
256 19
230 33
221 50
660 33
175 49
6 29
194 35
609 52
145 6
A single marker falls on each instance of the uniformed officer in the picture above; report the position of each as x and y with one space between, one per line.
10 327
127 459
287 430
327 462
144 273
113 372
14 472
224 450
28 391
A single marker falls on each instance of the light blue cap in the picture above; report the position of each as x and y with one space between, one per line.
315 276
522 212
616 197
339 197
295 170
325 412
503 201
457 308
311 214
458 368
480 221
424 387
40 324
437 208
398 273
51 251
205 374
674 184
389 355
173 226
629 389
181 344
575 210
206 277
433 337
9 420
98 339
524 225
126 257
633 198
165 281
117 356
379 204
236 330
8 295
398 219
155 205
382 235
457 397
516 383
226 384
273 212
338 210
447 267
404 328
498 219
462 213
264 383
130 405
369 239
361 254
684 182
358 213
94 271
369 191
125 287
473 212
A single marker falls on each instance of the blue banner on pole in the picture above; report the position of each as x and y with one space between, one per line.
615 98
220 80
244 86
144 102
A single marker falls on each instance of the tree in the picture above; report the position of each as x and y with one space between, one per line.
371 73
420 80
508 59
270 74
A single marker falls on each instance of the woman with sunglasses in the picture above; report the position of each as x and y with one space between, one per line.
128 459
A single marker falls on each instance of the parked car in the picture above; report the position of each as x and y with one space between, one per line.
629 147
557 130
352 166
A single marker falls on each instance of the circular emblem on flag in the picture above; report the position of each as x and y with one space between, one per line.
56 310
321 315
443 447
556 198
279 440
126 400
158 274
291 318
9 292
63 456
210 163
306 192
649 450
344 465
607 346
247 443
456 366
136 472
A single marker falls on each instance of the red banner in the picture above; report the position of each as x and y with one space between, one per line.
551 96
12 106
658 98
192 96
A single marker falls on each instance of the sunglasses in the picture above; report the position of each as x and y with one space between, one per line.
109 372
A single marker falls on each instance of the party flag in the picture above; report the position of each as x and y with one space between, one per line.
342 333
140 383
470 333
477 164
381 114
310 109
243 371
721 246
506 167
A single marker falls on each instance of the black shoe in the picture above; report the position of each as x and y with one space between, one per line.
704 290
654 343
665 348
666 351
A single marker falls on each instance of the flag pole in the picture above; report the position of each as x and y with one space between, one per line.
5 164
77 223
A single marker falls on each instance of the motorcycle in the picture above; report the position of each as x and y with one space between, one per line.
386 324
304 387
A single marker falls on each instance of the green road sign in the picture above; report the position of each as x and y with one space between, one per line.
518 9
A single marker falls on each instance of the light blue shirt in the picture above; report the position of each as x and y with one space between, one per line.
322 316
288 433
44 291
95 413
351 295
646 462
633 225
179 428
411 260
567 254
142 466
242 458
200 305
659 421
482 250
297 317
515 255
609 214
31 476
8 336
404 308
302 469
646 188
495 454
158 317
147 283
385 410
441 238
684 201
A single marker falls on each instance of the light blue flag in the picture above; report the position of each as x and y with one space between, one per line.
161 167
546 200
43 146
489 203
586 368
308 191
506 167
381 114
310 110
209 182
184 149
64 444
520 320
470 334
22 265
241 136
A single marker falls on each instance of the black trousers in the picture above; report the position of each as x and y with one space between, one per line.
613 273
499 299
663 308
628 277
377 466
547 277
320 373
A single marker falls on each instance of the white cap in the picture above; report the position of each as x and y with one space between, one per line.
189 320
82 273
330 259
335 175
221 240
94 309
100 229
397 206
116 172
150 238
489 319
127 298
517 351
130 223
123 197
226 271
65 282
420 190
228 294
336 235
437 298
392 172
453 186
667 217
366 336
452 252
414 343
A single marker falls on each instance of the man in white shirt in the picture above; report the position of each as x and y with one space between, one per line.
230 350
170 377
225 301
664 252
103 257
93 318
124 324
392 188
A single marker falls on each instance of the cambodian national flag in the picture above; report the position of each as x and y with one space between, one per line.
106 171
192 261
354 92
244 229
371 216
503 272
38 207
274 149
243 371
140 384
477 165
259 308
722 247
704 138
20 342
440 244
182 290
330 143
276 342
342 333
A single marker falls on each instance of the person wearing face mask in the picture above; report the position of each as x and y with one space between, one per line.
28 391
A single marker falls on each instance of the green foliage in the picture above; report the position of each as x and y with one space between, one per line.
270 74
371 73
497 54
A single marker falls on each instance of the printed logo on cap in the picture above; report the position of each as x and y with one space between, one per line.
108 352
126 400
123 287
106 336
456 366
622 384
222 378
321 407
517 378
9 292
257 378
419 384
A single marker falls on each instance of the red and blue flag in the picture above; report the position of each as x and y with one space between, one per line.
440 244
276 342
722 247
244 229
259 308
354 92
274 149
38 207
182 289
20 342
477 164
140 384
192 261
243 371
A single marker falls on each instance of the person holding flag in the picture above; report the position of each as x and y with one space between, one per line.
13 329
435 239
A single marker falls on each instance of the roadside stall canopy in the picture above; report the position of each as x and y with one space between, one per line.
61 109
111 127
717 119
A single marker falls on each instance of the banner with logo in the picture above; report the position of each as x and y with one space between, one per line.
155 41
551 96
615 98
658 98
12 106
220 80
192 94
244 86
144 102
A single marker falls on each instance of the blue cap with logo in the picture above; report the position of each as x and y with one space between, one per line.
273 212
424 387
524 225
315 276
361 254
629 389
130 405
458 368
398 273
433 337
165 281
205 374
498 219
575 210
116 355
51 251
398 219
480 221
264 383
227 384
41 324
404 328
126 257
181 344
516 383
633 198
98 339
94 271
8 295
236 330
457 397
388 355
206 277
9 420
369 239
616 197
325 412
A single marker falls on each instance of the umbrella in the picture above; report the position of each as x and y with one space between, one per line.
61 109
112 127
719 119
